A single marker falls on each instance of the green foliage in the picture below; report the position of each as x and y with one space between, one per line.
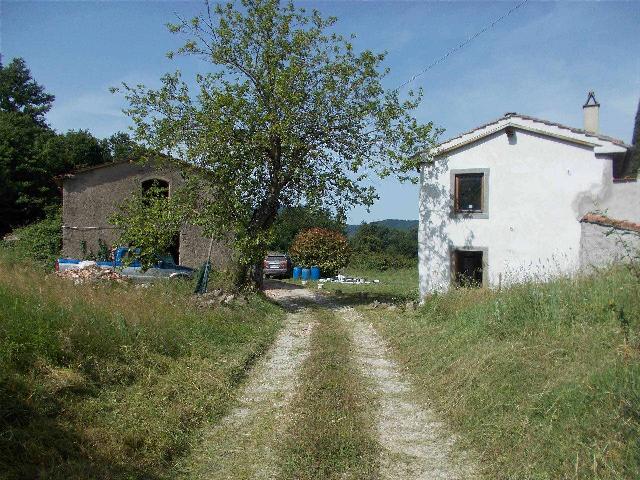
74 149
21 94
320 247
103 253
377 238
113 381
32 155
149 221
379 247
40 242
292 220
26 186
289 114
120 146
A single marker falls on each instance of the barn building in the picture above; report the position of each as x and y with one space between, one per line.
90 196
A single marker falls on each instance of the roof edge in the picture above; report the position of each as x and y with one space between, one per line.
602 220
571 131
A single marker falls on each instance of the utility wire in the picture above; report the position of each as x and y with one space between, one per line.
462 45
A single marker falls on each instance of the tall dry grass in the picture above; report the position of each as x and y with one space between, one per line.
542 379
112 381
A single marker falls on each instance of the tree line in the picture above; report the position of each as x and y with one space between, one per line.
32 154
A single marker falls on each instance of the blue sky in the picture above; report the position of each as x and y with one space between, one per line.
541 60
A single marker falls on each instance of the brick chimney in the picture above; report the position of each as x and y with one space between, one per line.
591 110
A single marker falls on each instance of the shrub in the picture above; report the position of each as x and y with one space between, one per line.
40 242
327 249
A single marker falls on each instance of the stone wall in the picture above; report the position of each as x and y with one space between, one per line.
601 245
91 196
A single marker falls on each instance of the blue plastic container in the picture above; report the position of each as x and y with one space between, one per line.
315 273
306 274
297 271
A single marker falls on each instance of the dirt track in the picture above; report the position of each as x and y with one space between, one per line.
413 443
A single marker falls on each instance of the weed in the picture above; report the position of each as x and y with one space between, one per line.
113 381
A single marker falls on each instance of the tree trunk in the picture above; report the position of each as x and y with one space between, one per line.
257 275
246 275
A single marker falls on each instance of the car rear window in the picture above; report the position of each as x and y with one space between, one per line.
276 258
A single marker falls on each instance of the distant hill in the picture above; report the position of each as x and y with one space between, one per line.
389 222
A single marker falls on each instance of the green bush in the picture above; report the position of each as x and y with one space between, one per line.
327 249
40 242
292 220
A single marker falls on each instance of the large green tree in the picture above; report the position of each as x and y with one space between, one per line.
23 133
20 93
32 154
288 114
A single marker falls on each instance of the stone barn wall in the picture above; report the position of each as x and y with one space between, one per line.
92 195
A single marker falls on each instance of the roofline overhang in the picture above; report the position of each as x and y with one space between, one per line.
599 146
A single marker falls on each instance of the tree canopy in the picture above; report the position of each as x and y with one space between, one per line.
292 220
20 93
289 114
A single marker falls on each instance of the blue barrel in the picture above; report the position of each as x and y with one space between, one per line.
315 273
306 274
297 271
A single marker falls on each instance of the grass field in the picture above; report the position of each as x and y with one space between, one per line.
333 435
111 381
542 380
395 286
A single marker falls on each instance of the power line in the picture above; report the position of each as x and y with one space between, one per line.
463 44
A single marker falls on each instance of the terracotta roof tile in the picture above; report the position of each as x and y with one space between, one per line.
611 222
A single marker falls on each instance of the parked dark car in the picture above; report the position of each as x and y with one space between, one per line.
277 265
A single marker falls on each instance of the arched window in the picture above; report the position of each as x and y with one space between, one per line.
155 186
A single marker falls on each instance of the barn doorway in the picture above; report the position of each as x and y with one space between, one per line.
468 268
160 188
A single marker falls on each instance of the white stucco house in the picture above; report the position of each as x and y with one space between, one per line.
504 201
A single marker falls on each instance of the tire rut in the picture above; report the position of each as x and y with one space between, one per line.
243 445
415 444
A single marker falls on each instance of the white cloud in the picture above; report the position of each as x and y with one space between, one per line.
98 111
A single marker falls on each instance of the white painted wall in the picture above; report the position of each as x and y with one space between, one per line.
539 188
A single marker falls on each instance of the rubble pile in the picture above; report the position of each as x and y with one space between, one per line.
219 297
91 273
